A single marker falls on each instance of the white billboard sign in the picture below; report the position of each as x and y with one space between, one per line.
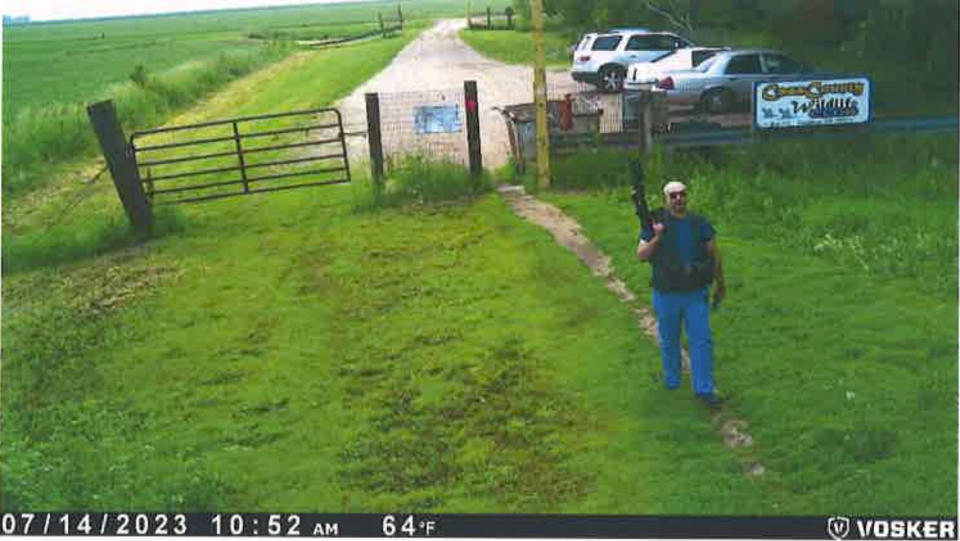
811 102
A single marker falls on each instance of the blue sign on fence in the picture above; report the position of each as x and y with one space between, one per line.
436 119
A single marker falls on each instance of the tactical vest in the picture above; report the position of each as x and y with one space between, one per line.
671 273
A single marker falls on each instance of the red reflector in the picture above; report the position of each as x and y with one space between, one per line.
585 58
666 83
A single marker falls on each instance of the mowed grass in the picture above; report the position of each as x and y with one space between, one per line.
516 46
841 356
290 352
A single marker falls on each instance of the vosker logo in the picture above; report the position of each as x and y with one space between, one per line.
839 528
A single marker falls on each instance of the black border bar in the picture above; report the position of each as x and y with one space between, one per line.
406 525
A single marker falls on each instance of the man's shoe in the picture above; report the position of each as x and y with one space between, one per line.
712 400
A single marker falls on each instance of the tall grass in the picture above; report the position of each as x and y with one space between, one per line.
41 136
884 203
85 237
419 180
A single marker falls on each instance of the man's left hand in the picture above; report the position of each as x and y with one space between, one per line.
719 293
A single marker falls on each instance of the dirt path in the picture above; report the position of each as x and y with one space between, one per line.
566 231
439 60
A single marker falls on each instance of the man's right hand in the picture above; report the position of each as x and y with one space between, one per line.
657 229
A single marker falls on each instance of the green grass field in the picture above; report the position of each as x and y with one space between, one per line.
291 352
310 351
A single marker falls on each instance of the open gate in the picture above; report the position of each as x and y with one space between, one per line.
240 156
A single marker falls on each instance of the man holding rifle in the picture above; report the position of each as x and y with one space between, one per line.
683 251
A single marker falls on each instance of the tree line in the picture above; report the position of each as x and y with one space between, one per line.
918 35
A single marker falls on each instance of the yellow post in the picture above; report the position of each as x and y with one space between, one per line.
540 96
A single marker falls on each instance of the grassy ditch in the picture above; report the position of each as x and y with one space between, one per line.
36 140
838 339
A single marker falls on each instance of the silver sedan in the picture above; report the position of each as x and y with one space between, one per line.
725 80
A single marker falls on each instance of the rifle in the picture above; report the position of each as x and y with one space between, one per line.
638 195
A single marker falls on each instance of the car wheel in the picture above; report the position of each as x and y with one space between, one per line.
611 79
717 101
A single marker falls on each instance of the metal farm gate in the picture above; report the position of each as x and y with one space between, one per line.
240 156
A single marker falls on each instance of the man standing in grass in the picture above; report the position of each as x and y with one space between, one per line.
683 251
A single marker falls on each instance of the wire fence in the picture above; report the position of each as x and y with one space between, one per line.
427 123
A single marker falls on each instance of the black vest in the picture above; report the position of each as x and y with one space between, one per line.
670 272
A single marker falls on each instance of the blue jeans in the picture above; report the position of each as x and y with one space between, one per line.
691 308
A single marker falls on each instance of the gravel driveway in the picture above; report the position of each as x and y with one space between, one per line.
439 60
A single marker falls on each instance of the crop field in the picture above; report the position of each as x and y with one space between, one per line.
78 61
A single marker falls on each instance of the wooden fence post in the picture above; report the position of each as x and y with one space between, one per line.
540 95
374 142
123 167
645 121
473 127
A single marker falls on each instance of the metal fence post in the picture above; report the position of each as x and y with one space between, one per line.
489 19
382 28
400 15
473 127
374 142
123 167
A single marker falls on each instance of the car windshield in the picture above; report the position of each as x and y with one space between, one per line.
705 66
700 56
606 43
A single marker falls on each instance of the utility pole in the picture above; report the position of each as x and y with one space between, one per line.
540 96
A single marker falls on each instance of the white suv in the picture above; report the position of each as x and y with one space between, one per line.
602 59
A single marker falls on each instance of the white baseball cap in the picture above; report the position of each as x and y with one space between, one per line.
674 186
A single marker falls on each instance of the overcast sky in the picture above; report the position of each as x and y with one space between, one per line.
42 10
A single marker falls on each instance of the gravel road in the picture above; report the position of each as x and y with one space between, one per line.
439 60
